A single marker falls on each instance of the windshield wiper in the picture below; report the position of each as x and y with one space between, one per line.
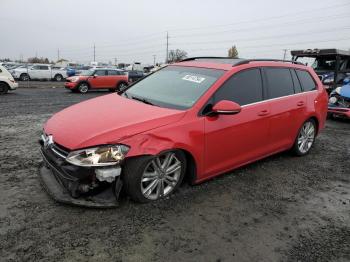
144 100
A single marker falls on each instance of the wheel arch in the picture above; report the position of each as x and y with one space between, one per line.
3 82
317 122
191 164
83 82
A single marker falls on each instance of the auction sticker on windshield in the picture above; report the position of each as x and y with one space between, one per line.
192 78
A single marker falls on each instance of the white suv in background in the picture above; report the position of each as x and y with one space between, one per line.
6 81
40 71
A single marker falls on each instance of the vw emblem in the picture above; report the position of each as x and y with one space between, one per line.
48 141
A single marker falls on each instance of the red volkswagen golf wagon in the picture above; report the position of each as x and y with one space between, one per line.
191 120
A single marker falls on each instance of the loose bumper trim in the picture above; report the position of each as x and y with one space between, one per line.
339 111
106 199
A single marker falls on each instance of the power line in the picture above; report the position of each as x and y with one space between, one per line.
331 7
249 29
264 38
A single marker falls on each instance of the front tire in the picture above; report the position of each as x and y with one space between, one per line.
149 178
3 88
305 139
83 88
58 78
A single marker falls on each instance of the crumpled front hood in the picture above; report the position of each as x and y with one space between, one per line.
106 120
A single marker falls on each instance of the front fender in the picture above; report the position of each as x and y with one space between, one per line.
188 137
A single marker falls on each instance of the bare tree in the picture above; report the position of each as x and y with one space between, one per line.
176 55
232 52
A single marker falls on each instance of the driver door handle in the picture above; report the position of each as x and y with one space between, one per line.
263 112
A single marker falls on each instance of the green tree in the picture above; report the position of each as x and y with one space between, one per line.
232 52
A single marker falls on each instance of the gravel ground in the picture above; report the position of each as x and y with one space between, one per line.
282 208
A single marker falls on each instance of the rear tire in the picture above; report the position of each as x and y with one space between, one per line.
305 138
24 77
83 88
121 87
4 88
149 178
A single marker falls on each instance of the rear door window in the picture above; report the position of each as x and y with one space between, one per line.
244 87
306 80
279 82
43 67
112 72
100 72
297 86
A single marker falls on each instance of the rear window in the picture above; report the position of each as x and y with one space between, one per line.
279 82
306 80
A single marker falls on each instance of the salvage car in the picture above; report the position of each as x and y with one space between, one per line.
101 78
6 81
191 120
329 64
40 72
339 101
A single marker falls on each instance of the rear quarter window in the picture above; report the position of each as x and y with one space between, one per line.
279 82
306 80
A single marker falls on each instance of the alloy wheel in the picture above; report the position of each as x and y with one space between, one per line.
161 176
83 88
306 137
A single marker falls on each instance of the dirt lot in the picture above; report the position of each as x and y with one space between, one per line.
283 208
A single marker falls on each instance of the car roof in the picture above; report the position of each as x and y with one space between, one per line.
226 63
107 69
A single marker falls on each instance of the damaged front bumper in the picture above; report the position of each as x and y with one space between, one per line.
75 185
339 111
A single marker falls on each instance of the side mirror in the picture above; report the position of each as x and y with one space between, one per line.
225 107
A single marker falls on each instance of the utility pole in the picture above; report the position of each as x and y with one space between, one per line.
154 60
94 53
58 54
115 61
167 47
285 53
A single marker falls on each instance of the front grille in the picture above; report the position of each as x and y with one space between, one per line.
48 143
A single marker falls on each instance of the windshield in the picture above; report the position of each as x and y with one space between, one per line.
174 86
86 73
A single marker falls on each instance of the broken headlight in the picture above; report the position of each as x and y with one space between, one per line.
98 156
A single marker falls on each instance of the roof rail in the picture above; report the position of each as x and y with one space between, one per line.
247 61
205 57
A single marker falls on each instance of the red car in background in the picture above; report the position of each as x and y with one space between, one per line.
191 120
100 78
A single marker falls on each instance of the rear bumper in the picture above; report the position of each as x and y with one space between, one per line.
60 184
70 85
339 111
